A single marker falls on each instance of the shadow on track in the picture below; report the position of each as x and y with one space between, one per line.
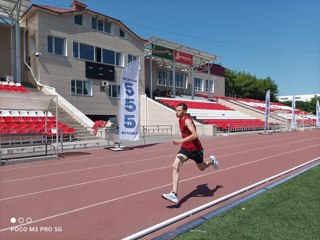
201 191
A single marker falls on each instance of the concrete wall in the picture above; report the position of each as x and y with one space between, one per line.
154 113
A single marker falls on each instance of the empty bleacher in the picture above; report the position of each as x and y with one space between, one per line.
225 118
12 87
16 122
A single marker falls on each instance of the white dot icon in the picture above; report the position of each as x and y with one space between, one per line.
13 220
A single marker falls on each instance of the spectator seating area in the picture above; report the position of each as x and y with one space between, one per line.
281 110
12 87
225 118
25 122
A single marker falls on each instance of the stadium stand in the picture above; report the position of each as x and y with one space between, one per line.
225 118
12 87
13 123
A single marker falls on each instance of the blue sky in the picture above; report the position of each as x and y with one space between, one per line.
279 39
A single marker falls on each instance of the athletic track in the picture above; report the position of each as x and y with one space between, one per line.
99 194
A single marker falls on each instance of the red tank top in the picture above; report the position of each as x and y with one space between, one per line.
194 145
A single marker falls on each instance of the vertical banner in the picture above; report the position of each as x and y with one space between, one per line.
267 110
293 121
318 114
129 112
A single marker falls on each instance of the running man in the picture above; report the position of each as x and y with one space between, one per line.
190 149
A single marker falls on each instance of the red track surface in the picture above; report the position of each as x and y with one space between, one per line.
100 194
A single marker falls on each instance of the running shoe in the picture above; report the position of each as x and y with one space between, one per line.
215 162
172 197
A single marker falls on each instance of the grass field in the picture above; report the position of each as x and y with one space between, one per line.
289 211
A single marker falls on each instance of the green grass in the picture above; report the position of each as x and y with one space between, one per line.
289 211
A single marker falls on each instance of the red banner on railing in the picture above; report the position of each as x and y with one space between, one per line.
182 57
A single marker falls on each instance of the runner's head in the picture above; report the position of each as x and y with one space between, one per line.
181 110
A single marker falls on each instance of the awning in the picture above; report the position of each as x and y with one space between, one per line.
12 10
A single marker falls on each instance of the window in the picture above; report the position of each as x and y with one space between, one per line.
122 33
75 50
78 19
56 45
100 25
108 56
94 23
132 58
86 52
164 78
114 90
81 87
180 79
108 27
118 59
207 87
197 84
98 54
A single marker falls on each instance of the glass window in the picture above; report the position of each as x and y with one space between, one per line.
94 23
114 90
108 27
165 78
108 56
180 79
75 50
118 59
197 84
132 58
56 45
98 54
78 19
59 46
122 33
50 44
86 52
207 86
81 87
100 25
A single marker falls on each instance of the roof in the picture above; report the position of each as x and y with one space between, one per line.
12 10
62 11
200 58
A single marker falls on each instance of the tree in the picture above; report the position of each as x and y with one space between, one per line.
245 85
305 106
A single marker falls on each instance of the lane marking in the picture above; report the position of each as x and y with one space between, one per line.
148 159
247 137
149 170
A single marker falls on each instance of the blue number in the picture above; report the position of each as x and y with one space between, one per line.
129 121
130 106
129 90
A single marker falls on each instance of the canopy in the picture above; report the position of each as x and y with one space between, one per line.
12 10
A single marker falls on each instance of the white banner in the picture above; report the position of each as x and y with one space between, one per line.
129 112
267 110
293 121
318 114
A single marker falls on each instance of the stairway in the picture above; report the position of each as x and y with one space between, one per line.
82 134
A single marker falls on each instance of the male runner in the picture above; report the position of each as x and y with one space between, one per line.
190 149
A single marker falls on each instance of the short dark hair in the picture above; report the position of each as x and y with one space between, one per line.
183 105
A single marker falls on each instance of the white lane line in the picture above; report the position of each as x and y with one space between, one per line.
57 162
149 170
148 159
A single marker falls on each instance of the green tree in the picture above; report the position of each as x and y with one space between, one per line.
245 85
